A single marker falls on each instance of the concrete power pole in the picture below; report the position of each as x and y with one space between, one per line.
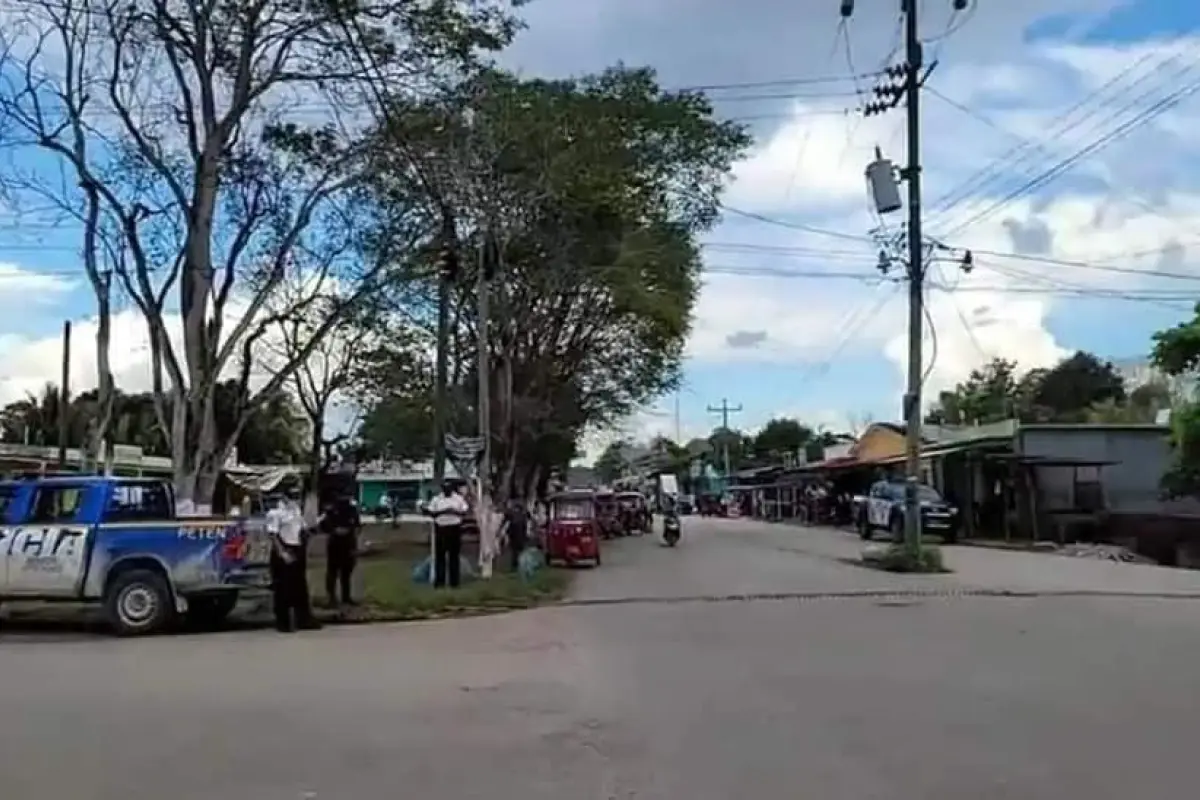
447 274
484 289
64 397
887 200
916 277
725 410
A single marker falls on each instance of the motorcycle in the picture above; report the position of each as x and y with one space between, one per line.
671 530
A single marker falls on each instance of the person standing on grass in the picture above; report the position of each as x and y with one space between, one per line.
289 567
448 511
515 528
341 525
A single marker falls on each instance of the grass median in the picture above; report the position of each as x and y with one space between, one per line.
382 584
386 591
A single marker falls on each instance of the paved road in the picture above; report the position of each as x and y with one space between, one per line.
854 698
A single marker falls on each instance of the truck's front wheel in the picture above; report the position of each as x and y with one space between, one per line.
138 602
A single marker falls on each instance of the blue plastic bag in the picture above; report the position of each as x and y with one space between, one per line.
422 573
529 562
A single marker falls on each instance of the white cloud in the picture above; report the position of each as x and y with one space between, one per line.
809 172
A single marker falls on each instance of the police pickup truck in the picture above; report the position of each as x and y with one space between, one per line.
883 508
118 542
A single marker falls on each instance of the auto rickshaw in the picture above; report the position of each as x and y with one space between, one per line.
635 513
710 505
608 514
572 533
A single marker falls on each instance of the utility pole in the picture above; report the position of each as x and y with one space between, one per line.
725 410
447 272
880 175
483 290
916 277
678 423
64 397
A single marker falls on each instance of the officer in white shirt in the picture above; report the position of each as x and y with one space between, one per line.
289 565
448 511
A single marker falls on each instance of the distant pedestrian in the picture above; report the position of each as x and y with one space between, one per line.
289 566
448 510
341 525
516 530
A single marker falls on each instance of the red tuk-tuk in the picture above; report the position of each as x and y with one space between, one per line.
572 529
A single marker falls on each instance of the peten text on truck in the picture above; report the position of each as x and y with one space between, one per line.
118 542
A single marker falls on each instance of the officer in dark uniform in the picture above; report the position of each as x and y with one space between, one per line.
341 525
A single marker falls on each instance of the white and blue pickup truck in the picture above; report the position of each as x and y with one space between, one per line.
118 542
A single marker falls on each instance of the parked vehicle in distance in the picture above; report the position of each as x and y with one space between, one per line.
635 515
118 542
572 533
884 510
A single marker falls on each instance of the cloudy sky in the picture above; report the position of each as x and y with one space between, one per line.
1060 145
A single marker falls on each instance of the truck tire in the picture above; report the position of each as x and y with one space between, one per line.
864 527
209 611
138 602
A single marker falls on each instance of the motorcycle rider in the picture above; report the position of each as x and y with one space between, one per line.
670 516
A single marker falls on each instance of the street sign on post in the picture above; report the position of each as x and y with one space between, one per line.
464 452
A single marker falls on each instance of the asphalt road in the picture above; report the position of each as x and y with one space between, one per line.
930 698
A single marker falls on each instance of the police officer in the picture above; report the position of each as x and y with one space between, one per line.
448 510
289 566
341 525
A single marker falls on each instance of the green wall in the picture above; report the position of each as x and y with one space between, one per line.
371 493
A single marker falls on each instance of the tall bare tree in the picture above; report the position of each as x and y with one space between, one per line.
223 141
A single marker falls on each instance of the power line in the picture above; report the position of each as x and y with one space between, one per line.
1063 124
767 84
1060 262
799 226
1158 108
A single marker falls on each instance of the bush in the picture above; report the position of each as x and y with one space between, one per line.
899 558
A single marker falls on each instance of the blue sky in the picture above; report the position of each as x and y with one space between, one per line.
770 336
1015 66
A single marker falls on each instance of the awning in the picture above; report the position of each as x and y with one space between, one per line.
265 480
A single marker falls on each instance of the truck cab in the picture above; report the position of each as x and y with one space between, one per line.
119 542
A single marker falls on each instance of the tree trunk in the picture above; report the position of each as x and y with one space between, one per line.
532 480
105 389
312 494
508 476
194 453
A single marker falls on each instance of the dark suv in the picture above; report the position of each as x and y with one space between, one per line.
884 510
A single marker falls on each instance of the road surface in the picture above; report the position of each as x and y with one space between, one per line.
828 696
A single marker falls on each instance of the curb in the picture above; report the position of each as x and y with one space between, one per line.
870 594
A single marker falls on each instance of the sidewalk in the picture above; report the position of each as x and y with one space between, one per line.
998 570
1006 570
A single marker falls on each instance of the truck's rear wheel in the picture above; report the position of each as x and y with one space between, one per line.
138 602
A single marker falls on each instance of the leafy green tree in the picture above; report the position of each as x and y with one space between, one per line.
988 395
1075 384
197 171
740 449
393 384
611 464
780 436
586 198
274 433
1176 352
